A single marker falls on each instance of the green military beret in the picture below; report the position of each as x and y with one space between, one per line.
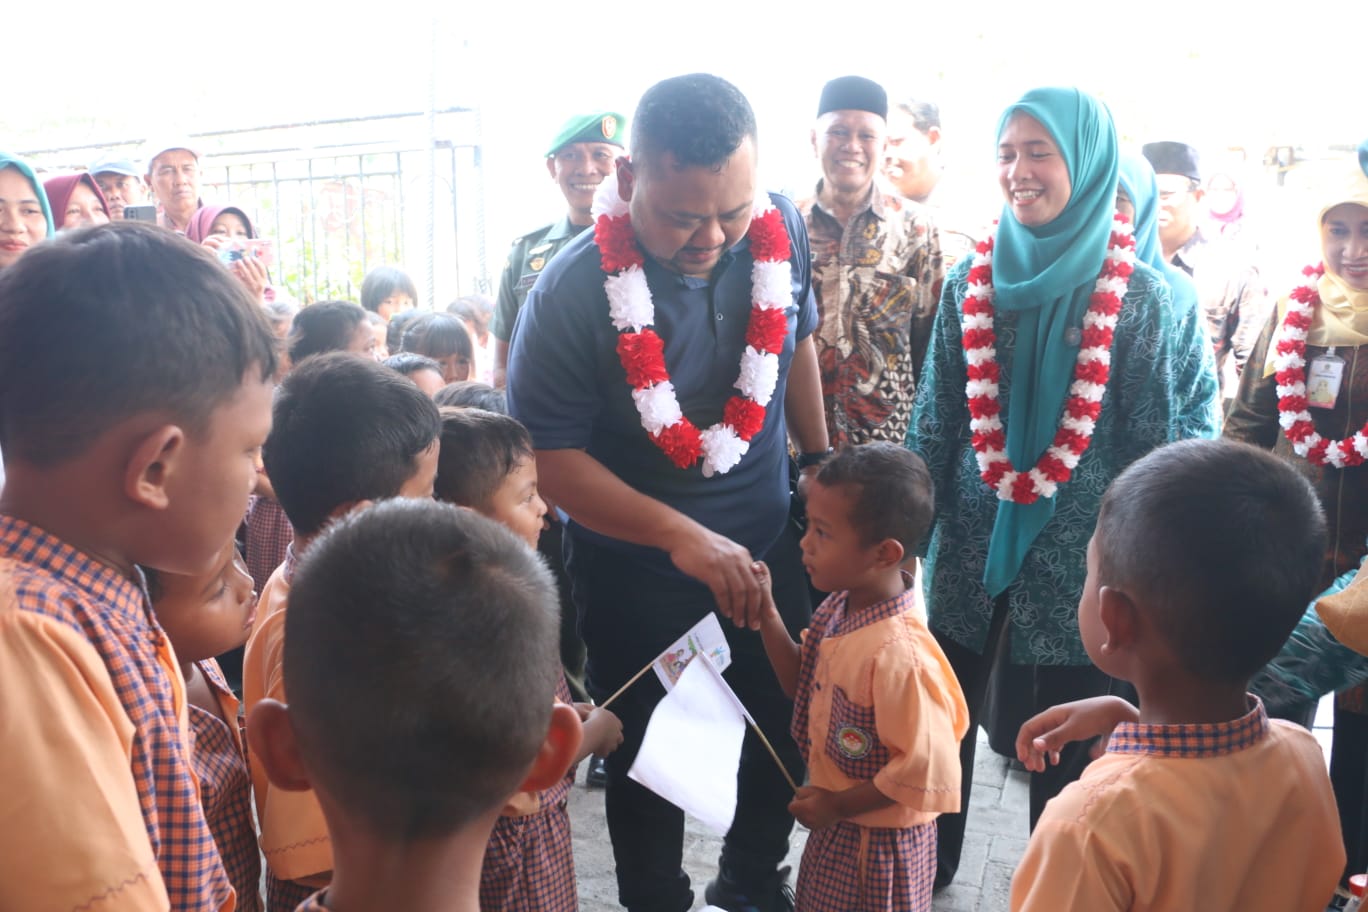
604 127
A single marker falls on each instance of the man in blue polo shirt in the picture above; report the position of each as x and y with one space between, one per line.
652 547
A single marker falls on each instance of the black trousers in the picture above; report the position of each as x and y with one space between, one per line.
628 614
1051 684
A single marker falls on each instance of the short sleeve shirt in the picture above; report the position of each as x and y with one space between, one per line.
566 384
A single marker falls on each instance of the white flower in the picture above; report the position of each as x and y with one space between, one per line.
771 284
1361 444
978 356
1043 485
759 375
981 388
607 200
629 299
658 407
976 321
1084 426
722 449
1005 485
762 203
1064 455
1095 354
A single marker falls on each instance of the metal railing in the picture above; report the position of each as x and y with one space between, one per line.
340 197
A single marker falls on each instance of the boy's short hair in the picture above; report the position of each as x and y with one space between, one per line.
346 428
438 335
1223 542
891 492
105 323
479 450
394 335
323 327
472 394
383 281
408 364
405 620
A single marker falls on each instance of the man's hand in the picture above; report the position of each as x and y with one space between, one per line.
725 568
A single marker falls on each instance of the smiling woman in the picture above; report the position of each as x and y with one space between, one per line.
1078 362
76 201
25 218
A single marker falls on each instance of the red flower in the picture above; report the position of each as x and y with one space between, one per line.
1053 469
1097 337
617 243
981 275
973 306
1079 407
767 329
1092 372
1288 377
1117 269
993 474
1352 457
1298 320
979 338
984 246
983 406
681 443
989 440
1317 453
745 416
643 358
1068 439
1288 347
769 239
1122 218
985 370
1292 403
1104 302
1300 430
1023 489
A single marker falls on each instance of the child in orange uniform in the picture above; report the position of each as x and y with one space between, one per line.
1204 556
486 463
877 710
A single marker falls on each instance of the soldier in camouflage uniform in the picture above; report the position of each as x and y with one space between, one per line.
584 152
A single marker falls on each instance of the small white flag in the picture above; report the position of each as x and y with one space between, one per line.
704 638
692 747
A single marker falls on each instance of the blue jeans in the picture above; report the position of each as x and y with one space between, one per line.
628 614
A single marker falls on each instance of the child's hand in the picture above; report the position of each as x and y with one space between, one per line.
815 807
1042 736
602 729
768 610
251 273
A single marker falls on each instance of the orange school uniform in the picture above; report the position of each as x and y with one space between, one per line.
294 835
876 700
1237 815
99 806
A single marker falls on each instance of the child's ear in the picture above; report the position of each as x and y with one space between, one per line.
558 749
626 177
1119 618
151 464
890 553
271 737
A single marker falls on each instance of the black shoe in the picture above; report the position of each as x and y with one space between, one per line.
775 896
597 775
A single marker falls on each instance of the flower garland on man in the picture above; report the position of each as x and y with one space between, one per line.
655 323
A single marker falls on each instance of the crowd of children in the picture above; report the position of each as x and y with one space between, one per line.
407 737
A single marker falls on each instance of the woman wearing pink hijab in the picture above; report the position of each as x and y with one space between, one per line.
76 201
217 226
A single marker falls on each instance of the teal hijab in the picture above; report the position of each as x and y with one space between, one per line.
18 164
1045 275
1137 179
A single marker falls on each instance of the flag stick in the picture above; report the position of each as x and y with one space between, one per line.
630 681
769 747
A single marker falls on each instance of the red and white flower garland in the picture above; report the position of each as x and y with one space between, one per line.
1084 401
1290 364
642 351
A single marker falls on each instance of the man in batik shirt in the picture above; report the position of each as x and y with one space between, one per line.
876 270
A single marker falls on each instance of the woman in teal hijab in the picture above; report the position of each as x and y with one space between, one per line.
1000 573
25 217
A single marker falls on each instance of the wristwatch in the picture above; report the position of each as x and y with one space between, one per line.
808 460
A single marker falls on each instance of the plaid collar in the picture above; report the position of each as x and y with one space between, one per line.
843 623
116 593
1192 742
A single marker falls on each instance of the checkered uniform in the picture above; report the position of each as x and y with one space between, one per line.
876 701
116 707
220 763
269 533
529 865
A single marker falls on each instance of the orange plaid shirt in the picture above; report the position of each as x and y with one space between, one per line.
99 805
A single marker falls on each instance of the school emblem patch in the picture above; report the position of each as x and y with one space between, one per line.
853 742
610 126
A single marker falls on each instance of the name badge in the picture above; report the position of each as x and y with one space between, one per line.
1323 378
